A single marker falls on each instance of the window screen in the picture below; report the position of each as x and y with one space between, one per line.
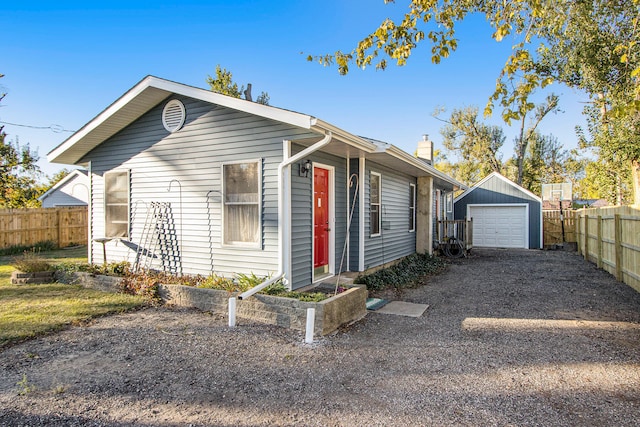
116 204
242 203
374 203
412 207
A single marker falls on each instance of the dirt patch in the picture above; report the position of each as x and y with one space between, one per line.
510 338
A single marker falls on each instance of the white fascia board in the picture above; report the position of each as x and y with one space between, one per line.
60 183
513 184
344 136
500 176
408 158
296 119
164 89
473 187
98 120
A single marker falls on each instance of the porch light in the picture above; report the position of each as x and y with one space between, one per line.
305 168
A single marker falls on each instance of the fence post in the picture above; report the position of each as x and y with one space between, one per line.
618 239
586 237
599 228
59 218
577 229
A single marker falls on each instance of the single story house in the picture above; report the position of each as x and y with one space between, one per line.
190 181
72 190
504 214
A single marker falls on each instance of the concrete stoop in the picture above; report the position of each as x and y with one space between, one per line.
402 308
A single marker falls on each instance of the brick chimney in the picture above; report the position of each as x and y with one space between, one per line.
425 149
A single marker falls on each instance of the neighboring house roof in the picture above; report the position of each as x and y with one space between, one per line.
480 183
64 181
592 203
151 90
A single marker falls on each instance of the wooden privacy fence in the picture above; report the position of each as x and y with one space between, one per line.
26 227
552 227
610 238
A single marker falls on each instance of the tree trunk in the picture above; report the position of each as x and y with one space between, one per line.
521 150
635 174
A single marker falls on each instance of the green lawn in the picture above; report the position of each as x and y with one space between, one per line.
27 311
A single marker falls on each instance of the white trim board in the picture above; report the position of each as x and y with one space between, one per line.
332 221
506 180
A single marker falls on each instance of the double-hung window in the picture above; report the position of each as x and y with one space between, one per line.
375 199
412 207
242 201
449 202
116 204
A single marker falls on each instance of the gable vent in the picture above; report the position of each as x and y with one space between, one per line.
173 115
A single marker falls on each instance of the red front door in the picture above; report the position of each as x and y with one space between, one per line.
321 220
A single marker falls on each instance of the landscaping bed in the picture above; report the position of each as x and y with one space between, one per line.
343 308
330 313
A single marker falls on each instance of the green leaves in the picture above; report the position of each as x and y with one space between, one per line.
18 173
223 83
409 272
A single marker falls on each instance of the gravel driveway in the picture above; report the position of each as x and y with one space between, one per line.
527 338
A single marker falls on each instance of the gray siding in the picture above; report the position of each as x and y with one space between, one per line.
497 191
354 232
211 136
395 239
301 216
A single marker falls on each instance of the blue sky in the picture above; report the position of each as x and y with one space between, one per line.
65 61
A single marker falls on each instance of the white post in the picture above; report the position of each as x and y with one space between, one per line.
232 312
311 320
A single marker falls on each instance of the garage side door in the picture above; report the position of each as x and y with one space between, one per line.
499 226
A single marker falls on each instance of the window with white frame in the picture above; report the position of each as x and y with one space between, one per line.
242 201
412 207
375 198
450 203
116 204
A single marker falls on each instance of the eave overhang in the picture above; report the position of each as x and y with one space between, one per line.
145 95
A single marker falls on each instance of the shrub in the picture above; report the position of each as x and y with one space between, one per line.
112 269
278 289
30 262
248 281
218 282
143 284
44 246
405 274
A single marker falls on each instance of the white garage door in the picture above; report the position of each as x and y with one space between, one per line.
500 226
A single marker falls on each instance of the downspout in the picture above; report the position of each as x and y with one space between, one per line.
90 215
284 233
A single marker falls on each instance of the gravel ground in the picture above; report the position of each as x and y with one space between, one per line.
527 338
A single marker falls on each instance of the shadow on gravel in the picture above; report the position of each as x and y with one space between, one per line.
527 338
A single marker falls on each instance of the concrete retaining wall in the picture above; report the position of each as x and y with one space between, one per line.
344 308
38 277
93 281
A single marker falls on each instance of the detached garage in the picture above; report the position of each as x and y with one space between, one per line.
504 214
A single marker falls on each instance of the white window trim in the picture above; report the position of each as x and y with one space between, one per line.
242 245
449 202
412 209
379 204
104 204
